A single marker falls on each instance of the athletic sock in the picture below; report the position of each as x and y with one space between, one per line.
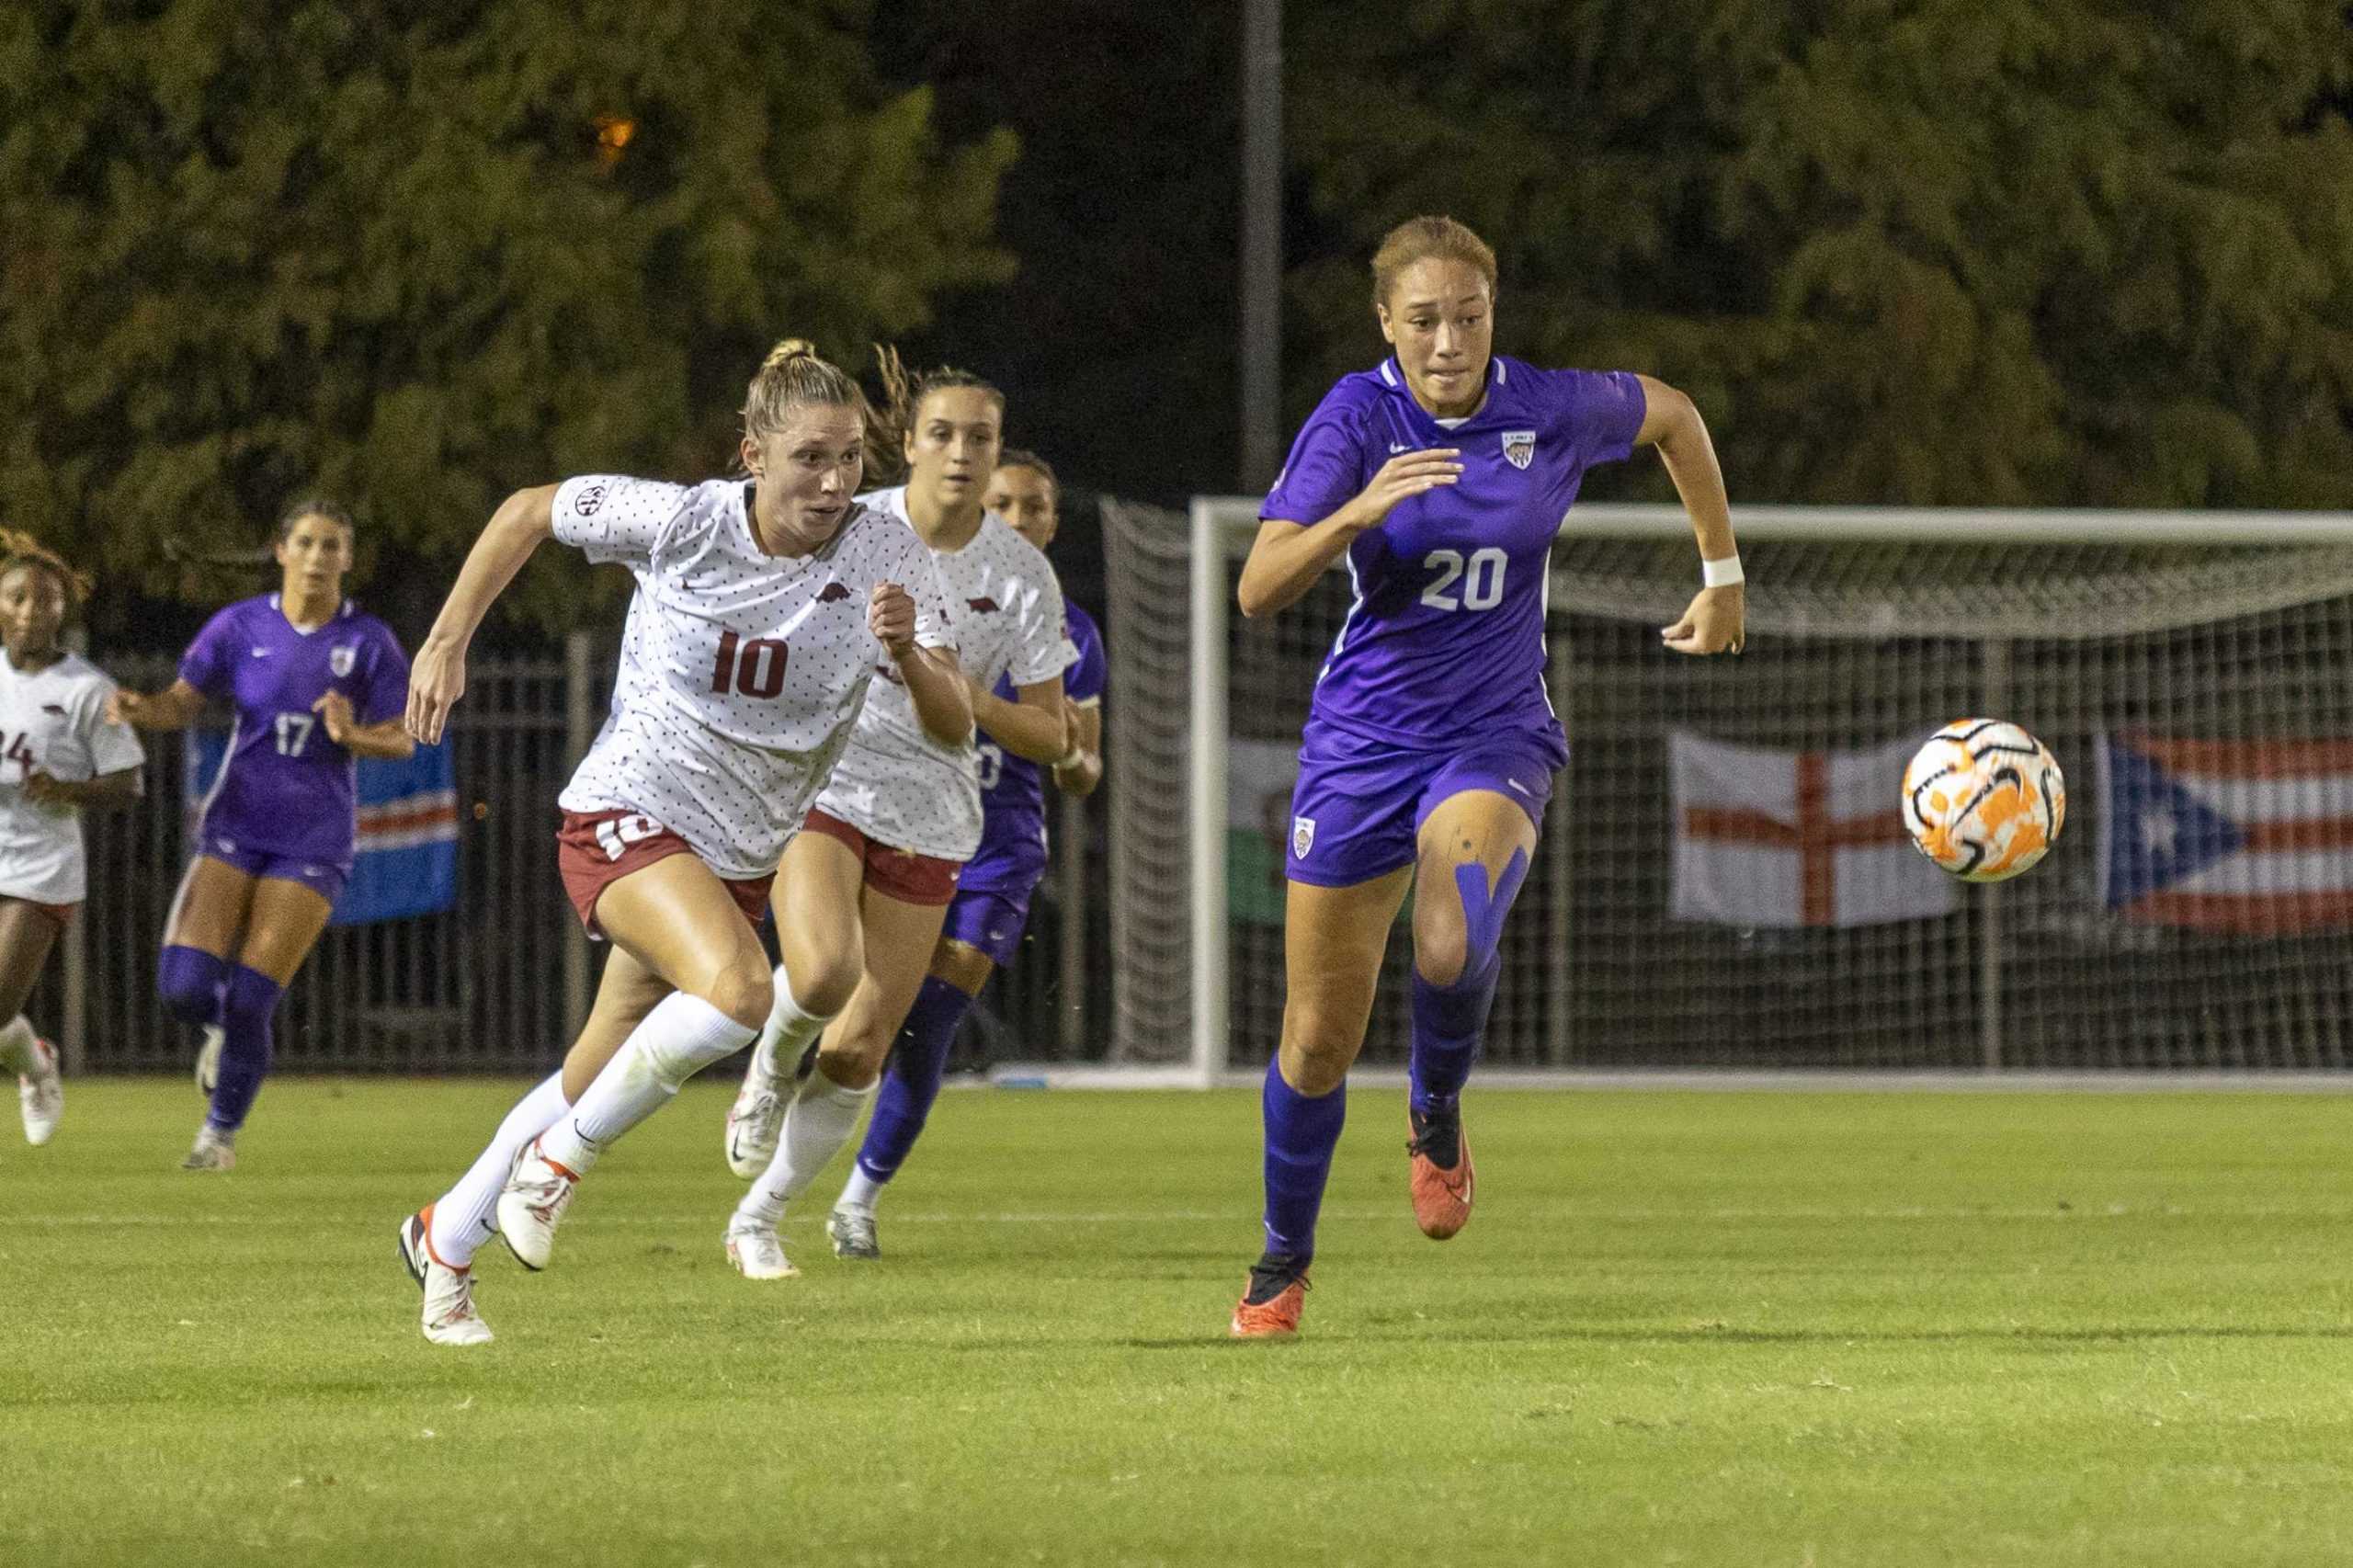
246 1008
679 1037
911 1082
788 1032
465 1216
860 1191
816 1124
16 1051
190 982
1300 1136
1449 1023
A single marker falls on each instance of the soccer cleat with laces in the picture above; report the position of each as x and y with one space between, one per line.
754 1123
213 1150
531 1205
1440 1173
208 1060
449 1316
852 1231
41 1094
1271 1306
757 1251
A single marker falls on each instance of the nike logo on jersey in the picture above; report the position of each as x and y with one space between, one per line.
832 593
53 708
1396 446
1521 788
261 652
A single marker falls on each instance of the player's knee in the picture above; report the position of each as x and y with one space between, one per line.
743 991
826 989
962 965
1441 951
850 1059
188 982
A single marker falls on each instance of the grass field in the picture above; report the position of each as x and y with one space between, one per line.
1683 1328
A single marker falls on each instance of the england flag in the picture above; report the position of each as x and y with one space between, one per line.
2254 838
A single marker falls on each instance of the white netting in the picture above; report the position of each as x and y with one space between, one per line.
1855 645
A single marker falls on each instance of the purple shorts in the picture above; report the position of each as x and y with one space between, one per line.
989 920
1360 804
322 877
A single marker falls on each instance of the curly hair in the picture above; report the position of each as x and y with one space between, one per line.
22 549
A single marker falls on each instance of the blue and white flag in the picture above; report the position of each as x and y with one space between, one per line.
404 862
2250 836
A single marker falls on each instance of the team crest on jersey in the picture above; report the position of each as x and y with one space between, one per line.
983 606
340 660
590 498
1302 836
1520 448
832 592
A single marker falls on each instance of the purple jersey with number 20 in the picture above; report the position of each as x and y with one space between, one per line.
1445 640
285 788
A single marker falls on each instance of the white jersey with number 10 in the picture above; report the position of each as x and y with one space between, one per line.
742 674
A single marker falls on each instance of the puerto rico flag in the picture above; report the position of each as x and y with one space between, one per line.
1769 837
2248 837
404 860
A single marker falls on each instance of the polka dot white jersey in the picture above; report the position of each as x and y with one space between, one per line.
895 783
741 673
53 720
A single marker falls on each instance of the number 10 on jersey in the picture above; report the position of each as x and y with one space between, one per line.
748 669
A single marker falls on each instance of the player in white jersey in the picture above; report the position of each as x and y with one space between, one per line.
902 813
763 609
58 758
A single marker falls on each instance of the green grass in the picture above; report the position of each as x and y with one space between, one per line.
1683 1328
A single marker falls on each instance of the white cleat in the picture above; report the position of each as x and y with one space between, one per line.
756 1252
754 1123
852 1232
41 1094
449 1316
208 1060
212 1152
531 1205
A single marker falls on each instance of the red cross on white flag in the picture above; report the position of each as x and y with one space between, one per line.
1771 837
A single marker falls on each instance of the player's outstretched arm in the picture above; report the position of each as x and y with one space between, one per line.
1716 621
174 707
1286 557
522 523
1035 726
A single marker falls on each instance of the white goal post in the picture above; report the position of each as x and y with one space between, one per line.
1869 624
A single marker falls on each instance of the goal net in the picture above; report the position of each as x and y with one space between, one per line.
1722 881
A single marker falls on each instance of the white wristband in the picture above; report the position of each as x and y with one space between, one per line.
1722 573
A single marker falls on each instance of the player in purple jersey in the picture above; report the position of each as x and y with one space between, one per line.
315 682
1441 477
992 904
58 758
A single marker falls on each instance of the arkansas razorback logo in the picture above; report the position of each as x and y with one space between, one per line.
832 592
983 606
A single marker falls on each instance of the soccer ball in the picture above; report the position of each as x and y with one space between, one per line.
1985 800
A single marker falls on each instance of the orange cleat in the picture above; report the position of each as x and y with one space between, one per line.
1441 1171
1269 1307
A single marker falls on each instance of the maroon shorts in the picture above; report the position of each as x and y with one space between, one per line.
902 874
596 850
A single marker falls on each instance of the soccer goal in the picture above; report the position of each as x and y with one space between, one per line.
1723 880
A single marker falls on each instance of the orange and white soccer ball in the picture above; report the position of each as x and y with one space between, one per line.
1985 800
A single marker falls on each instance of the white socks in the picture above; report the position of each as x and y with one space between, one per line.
860 1191
463 1217
819 1122
788 1032
679 1037
17 1047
